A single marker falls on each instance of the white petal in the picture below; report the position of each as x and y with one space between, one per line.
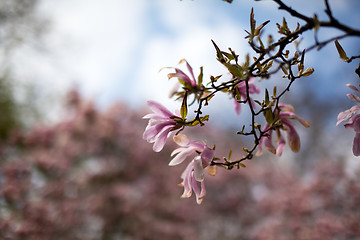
198 169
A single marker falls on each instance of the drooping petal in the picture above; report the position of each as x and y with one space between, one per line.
268 142
260 149
237 107
200 197
356 145
194 185
280 145
292 136
186 176
269 146
161 139
253 89
356 123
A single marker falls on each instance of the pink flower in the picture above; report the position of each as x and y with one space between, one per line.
242 90
160 125
182 76
286 113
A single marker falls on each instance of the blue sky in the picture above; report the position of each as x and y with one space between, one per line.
113 50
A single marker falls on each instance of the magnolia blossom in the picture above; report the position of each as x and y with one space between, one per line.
160 125
354 121
242 90
293 139
193 176
184 77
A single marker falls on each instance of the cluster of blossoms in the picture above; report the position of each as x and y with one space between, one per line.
353 120
163 124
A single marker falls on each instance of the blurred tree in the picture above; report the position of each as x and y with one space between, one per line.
19 25
91 176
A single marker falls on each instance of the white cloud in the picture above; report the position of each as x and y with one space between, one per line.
92 40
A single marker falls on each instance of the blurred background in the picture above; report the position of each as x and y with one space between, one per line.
74 80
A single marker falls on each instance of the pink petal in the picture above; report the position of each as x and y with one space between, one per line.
190 70
181 75
356 145
281 144
207 155
237 106
181 156
292 136
253 89
153 129
200 197
286 108
155 116
356 120
194 185
160 109
161 139
268 144
186 175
